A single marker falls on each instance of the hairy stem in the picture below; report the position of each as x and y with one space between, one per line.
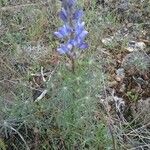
72 62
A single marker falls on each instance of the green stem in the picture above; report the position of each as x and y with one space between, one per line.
72 63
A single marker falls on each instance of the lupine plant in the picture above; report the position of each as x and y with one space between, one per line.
67 117
72 32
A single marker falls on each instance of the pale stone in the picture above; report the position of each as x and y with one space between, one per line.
107 41
135 46
140 45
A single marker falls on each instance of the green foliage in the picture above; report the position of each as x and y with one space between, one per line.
138 61
2 145
3 2
67 116
133 96
75 99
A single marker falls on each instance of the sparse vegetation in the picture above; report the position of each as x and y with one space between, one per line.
103 105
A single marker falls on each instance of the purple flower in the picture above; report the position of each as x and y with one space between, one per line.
63 15
65 48
80 31
83 34
63 31
78 15
80 34
71 2
79 28
73 28
83 46
68 4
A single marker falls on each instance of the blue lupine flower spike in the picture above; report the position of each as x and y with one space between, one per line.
73 28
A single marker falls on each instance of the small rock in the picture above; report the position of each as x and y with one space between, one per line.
131 46
130 49
140 45
120 72
118 78
135 46
107 41
112 84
